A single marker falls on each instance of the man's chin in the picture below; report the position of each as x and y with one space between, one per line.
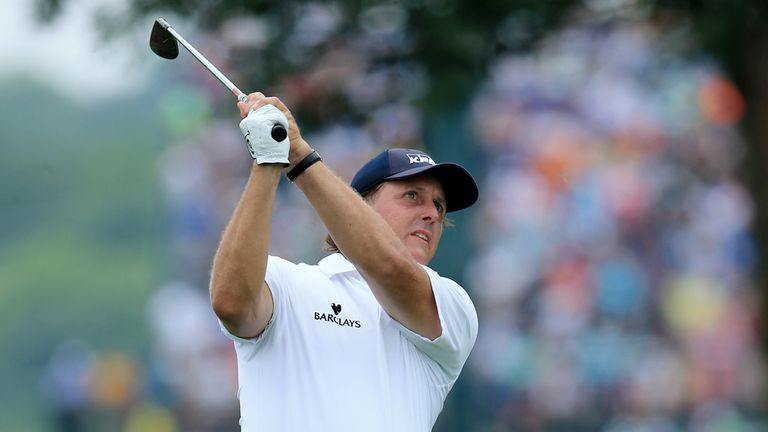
421 256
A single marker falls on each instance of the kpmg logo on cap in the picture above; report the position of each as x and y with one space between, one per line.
419 158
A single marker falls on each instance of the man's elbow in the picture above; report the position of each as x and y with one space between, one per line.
228 308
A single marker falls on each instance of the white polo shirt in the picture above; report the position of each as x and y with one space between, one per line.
332 359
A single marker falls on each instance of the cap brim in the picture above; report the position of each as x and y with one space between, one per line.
458 185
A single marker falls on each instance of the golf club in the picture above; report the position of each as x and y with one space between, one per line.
163 42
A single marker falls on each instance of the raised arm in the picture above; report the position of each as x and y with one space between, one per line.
239 294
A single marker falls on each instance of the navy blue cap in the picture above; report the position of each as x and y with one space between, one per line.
396 164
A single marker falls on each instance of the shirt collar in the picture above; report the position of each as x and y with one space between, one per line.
335 264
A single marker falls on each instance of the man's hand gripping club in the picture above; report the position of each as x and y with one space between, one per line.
259 129
296 146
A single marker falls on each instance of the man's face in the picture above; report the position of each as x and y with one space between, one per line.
415 209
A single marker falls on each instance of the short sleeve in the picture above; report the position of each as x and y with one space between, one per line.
458 320
277 270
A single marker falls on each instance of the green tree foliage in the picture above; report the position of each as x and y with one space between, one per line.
452 40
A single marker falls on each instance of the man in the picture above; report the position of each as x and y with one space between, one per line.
370 339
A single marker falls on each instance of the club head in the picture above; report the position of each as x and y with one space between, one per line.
162 42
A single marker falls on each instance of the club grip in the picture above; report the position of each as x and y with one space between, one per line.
278 132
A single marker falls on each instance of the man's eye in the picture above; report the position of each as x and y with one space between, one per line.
410 195
439 207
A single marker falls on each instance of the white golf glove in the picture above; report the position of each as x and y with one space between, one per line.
257 130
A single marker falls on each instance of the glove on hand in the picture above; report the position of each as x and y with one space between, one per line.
257 130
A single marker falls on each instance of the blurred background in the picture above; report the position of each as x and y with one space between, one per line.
615 255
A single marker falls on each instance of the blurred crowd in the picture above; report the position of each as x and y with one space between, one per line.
611 251
613 270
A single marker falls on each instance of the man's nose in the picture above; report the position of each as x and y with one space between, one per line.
430 213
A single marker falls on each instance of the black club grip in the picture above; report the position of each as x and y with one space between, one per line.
278 132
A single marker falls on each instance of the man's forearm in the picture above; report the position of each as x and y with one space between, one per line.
359 232
399 283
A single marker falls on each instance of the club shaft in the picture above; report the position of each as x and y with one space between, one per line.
208 65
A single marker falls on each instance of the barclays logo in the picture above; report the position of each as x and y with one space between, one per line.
333 318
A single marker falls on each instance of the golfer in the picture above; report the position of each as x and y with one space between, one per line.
370 338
